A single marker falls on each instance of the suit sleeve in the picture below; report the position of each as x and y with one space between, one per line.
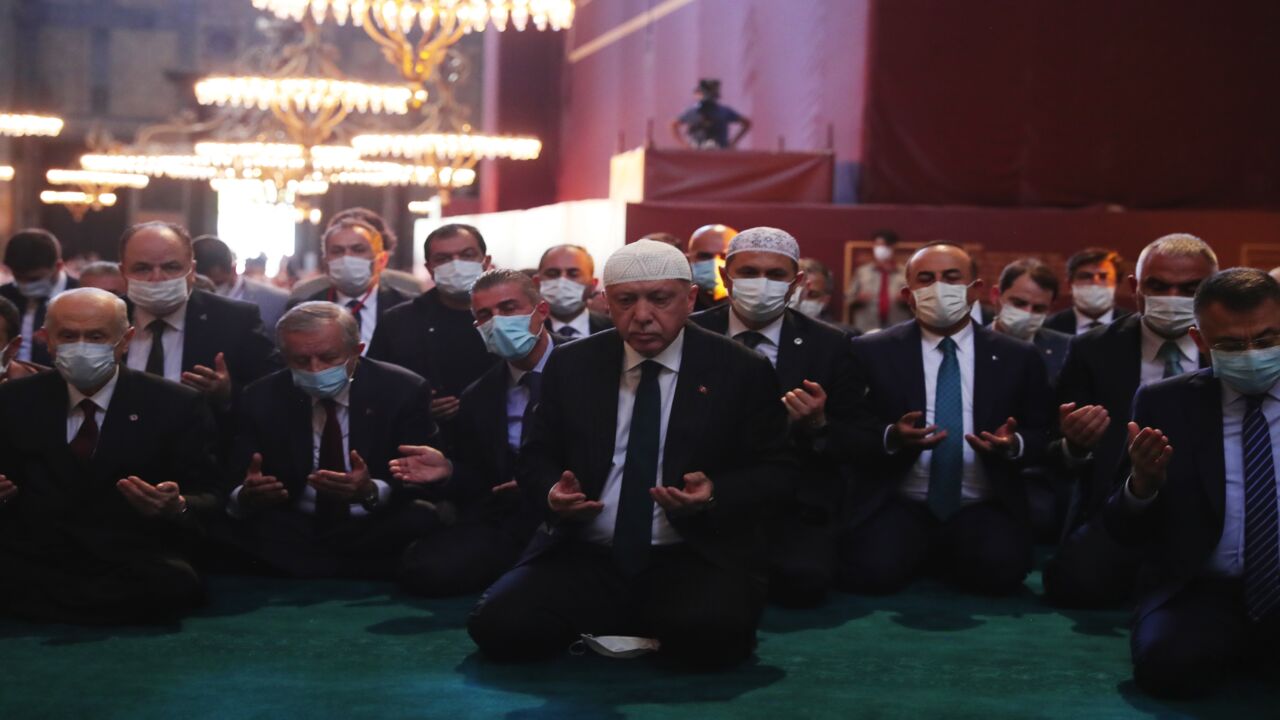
192 461
414 426
543 457
257 356
1035 416
380 345
1127 524
853 431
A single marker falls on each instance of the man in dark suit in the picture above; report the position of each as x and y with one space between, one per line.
1093 274
824 402
657 450
102 471
493 521
1104 368
11 368
1021 301
961 410
707 246
405 282
433 335
215 261
1200 500
34 256
197 338
354 259
314 495
566 278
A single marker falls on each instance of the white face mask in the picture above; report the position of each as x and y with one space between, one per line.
565 296
457 276
1019 323
1093 300
616 646
942 305
159 298
1169 316
36 289
811 307
882 253
760 299
351 275
85 365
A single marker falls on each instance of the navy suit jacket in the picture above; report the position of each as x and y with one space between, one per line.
1053 348
1009 380
1181 528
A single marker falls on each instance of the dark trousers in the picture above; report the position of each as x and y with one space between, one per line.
459 560
982 548
1091 569
801 560
96 591
1187 646
703 615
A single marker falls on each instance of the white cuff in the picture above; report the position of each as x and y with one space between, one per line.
887 448
1022 446
233 504
1133 501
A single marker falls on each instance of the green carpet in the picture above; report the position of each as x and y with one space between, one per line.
278 649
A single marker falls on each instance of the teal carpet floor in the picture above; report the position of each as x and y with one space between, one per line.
277 649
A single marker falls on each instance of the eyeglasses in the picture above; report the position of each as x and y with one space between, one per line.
1263 343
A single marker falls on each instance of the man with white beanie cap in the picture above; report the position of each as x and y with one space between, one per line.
657 450
823 401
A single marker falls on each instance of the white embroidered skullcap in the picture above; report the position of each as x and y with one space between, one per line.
644 261
765 239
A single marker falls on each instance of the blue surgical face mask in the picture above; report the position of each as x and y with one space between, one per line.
36 289
1250 372
508 336
85 365
706 274
323 385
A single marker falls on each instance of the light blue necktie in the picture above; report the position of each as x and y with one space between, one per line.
946 468
1261 543
1172 358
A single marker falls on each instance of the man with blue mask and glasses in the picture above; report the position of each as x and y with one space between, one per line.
707 247
960 411
823 400
494 521
1199 499
104 472
1104 368
34 256
433 335
313 493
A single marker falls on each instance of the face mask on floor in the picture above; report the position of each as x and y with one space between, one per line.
621 647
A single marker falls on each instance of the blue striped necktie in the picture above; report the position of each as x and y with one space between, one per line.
1261 543
1172 357
946 467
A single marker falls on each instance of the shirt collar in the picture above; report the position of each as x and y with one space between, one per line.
963 337
517 373
580 322
1084 321
102 398
771 332
1230 394
176 319
668 358
59 284
1151 344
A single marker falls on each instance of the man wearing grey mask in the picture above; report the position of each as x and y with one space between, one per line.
94 518
1104 368
34 256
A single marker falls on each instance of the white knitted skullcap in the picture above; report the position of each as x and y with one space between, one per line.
765 239
644 261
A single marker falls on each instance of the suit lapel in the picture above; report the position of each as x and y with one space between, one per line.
986 375
53 425
602 393
198 347
1129 376
492 414
301 436
913 365
1209 449
362 416
119 424
688 408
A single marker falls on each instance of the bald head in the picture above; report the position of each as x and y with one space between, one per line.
939 261
87 315
710 242
1275 273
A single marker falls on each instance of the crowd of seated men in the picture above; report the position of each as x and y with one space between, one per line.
656 450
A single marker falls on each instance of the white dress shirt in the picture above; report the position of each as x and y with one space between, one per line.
29 316
368 314
102 398
581 324
974 485
600 530
772 335
518 398
174 334
306 504
1083 321
1153 365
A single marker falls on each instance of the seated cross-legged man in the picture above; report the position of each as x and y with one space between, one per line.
493 520
1200 500
313 493
657 452
103 471
961 410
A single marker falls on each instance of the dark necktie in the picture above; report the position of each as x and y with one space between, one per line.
750 338
883 304
568 331
532 381
633 528
355 306
155 358
1172 358
86 439
330 510
946 467
37 321
1261 543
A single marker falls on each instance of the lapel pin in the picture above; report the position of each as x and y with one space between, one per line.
1048 351
993 357
798 341
431 329
368 411
133 418
702 389
204 316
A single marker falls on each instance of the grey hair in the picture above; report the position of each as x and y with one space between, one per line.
494 278
311 316
1177 245
101 267
120 311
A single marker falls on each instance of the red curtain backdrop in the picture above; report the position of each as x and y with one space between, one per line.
1141 103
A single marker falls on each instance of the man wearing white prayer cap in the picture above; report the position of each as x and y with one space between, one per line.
823 401
657 452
